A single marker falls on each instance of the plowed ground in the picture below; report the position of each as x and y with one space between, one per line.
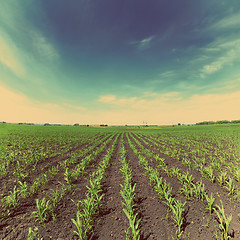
111 223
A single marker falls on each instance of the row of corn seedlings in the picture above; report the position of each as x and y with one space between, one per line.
11 200
38 150
190 189
80 167
77 155
198 190
223 178
164 191
45 208
23 190
128 194
88 208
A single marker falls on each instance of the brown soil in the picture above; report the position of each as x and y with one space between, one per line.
111 223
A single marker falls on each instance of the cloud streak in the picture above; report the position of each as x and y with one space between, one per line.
9 57
144 43
43 46
171 108
227 52
228 22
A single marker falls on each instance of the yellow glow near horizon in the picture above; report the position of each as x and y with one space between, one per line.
16 107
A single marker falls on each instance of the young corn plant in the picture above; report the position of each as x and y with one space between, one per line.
237 175
23 189
54 170
186 178
84 216
68 176
222 178
153 176
33 233
44 210
209 173
231 187
187 190
38 183
224 222
19 175
210 201
164 192
199 190
79 223
178 216
12 199
134 225
56 195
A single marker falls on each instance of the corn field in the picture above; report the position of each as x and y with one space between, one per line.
72 182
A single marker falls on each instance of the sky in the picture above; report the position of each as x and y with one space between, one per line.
119 62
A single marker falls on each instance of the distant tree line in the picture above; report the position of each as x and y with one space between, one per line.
25 123
217 122
77 125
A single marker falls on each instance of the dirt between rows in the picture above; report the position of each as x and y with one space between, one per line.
16 225
8 182
206 222
111 223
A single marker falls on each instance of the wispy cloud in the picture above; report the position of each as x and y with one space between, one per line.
144 43
107 99
166 108
9 56
43 46
228 22
228 51
171 108
139 102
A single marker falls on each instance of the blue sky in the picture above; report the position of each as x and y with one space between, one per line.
119 62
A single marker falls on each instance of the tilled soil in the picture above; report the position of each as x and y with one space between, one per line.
111 223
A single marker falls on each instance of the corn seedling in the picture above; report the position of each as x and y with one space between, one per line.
32 234
210 201
134 224
222 178
128 194
54 170
23 188
12 199
43 210
88 207
230 187
68 176
187 191
20 176
209 173
199 190
80 225
237 175
56 195
153 176
224 222
178 215
187 178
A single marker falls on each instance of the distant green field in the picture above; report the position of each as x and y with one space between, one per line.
6 128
